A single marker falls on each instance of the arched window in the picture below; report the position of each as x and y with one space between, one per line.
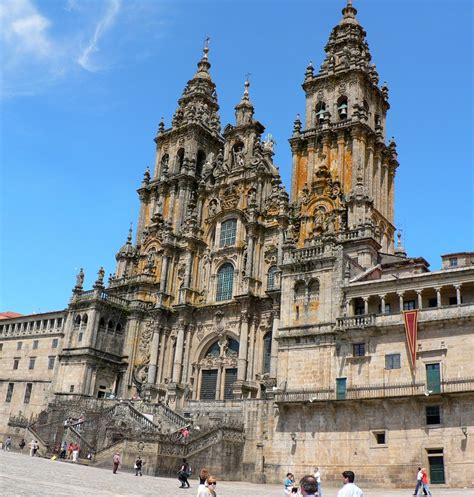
267 349
118 328
300 291
77 321
320 112
342 107
200 160
228 232
110 326
84 319
102 323
313 290
179 159
225 280
214 350
232 345
271 278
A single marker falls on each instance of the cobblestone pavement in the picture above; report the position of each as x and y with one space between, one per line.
24 476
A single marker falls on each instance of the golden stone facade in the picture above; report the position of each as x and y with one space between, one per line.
237 301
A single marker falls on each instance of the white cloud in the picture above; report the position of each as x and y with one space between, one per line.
102 26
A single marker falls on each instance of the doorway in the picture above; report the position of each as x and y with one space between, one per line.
436 464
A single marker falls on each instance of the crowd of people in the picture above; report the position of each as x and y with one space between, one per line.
310 485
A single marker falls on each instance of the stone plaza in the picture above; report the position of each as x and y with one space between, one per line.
24 476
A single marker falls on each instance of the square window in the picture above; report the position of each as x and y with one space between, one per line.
433 415
54 344
35 344
358 349
19 345
380 438
32 363
392 361
51 361
453 262
432 302
71 389
16 362
409 305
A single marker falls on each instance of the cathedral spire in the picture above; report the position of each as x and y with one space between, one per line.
244 109
198 103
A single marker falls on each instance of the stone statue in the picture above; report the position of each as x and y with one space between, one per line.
208 167
239 158
80 278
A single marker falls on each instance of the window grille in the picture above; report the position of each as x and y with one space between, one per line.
225 280
228 232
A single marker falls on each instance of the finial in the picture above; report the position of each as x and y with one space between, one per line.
297 125
400 250
99 283
205 49
309 71
349 12
147 176
79 280
161 126
130 231
399 237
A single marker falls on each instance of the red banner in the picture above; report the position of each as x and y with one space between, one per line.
411 330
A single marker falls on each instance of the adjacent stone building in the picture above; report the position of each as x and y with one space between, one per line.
236 301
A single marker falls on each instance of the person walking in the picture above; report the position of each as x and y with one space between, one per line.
62 454
8 443
22 445
184 473
35 447
350 489
308 486
424 482
116 462
203 476
317 476
138 466
75 452
31 446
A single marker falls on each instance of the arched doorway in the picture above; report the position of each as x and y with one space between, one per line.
218 370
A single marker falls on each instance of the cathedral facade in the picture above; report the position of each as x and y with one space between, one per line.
289 312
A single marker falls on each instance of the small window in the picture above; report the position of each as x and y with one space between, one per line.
392 361
299 292
432 302
388 308
358 349
409 305
51 361
9 396
433 416
60 322
16 363
225 280
54 344
271 278
453 301
19 345
228 232
71 389
79 337
29 387
380 437
35 344
31 365
453 262
313 290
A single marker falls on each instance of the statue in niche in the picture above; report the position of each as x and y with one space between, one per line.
239 157
213 204
221 168
208 167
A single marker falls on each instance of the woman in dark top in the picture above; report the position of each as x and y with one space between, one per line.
184 473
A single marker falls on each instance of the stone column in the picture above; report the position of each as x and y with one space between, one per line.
164 273
274 349
281 240
187 271
172 205
131 342
188 343
382 303
144 199
178 354
251 349
242 361
170 357
91 328
366 304
219 383
420 298
197 391
249 264
438 296
164 333
181 205
340 155
153 366
400 299
458 294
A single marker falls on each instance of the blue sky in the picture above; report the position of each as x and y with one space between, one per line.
84 84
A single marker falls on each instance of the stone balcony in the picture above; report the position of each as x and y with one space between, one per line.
449 312
375 391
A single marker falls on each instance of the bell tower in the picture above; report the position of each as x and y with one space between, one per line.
343 172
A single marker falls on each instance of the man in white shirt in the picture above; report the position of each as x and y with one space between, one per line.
317 476
349 489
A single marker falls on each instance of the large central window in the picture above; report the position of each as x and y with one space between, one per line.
225 280
228 232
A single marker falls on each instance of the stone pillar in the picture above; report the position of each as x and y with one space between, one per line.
197 391
144 199
188 341
242 361
281 240
219 383
366 304
164 273
91 328
382 303
350 307
340 155
178 354
172 205
438 296
458 294
249 265
274 349
155 342
251 349
420 298
131 342
187 271
170 357
164 333
400 299
181 205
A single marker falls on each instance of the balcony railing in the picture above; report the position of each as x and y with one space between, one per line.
359 321
373 391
